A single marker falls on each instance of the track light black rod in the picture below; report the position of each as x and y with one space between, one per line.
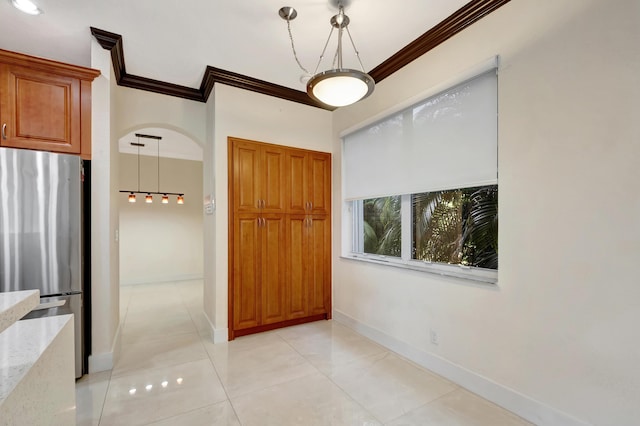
153 192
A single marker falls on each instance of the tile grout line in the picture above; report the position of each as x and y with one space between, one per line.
213 364
104 400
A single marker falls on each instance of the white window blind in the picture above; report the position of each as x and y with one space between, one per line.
446 141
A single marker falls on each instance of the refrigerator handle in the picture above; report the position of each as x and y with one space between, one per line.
50 305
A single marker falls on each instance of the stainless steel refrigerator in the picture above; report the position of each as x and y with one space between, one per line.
41 233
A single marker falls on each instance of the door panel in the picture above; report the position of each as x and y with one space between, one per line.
297 275
246 172
298 182
273 182
273 268
319 264
42 110
320 183
246 275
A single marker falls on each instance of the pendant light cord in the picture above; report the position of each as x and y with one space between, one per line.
138 164
323 52
293 47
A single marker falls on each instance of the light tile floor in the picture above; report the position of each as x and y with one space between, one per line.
321 373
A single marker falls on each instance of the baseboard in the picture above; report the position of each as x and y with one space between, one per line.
163 279
106 360
218 335
522 405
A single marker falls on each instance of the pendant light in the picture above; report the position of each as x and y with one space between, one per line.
26 6
149 194
337 86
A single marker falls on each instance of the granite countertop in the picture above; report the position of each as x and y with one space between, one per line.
16 304
22 344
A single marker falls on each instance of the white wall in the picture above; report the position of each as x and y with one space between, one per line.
160 242
116 111
249 115
138 109
557 339
104 215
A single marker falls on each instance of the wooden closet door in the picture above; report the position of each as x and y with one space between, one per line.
297 271
319 264
298 181
273 182
247 248
245 169
273 266
320 183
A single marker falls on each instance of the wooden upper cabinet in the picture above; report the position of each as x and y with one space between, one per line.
45 105
258 177
309 181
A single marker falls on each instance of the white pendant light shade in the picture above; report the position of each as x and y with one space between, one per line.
340 87
26 6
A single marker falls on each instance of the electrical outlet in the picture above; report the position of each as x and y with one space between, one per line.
433 336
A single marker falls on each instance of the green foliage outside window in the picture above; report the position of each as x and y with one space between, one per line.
456 226
382 226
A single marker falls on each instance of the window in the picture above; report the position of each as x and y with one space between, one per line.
422 183
381 227
458 227
455 227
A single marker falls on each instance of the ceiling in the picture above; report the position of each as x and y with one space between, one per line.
174 41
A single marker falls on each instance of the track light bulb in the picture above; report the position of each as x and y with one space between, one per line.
165 199
148 199
132 198
180 199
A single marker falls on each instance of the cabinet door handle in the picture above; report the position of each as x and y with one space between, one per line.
4 131
310 205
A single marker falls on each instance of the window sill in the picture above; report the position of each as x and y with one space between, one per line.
467 273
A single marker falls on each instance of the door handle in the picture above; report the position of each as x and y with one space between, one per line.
4 131
49 305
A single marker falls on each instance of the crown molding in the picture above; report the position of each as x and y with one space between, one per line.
459 20
456 22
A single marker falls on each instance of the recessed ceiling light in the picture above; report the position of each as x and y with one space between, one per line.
26 6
